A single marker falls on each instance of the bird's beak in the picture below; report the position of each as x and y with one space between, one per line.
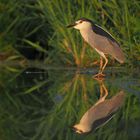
71 25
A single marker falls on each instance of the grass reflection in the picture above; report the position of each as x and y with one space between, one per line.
45 105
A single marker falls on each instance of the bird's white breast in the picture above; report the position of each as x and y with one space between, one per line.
90 37
86 34
98 42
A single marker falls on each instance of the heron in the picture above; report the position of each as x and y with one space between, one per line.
101 40
101 112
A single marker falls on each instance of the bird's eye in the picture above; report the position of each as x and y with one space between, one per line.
81 21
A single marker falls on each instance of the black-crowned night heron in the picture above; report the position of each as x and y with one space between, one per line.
100 113
100 40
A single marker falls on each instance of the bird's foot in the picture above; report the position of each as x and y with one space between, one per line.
99 76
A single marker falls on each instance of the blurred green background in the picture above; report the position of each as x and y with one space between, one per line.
36 29
42 92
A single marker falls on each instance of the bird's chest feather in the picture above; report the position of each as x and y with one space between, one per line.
87 35
94 40
90 37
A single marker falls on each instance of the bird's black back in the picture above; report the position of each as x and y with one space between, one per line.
98 30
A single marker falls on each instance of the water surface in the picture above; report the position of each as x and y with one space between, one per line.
44 104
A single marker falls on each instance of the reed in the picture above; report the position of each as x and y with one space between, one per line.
41 25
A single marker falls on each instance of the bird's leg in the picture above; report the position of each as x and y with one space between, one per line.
100 75
101 64
101 96
106 61
103 91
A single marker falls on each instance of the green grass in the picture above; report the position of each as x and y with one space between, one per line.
41 25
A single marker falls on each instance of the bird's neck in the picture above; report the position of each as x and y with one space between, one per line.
86 33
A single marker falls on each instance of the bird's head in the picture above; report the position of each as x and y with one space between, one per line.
82 23
81 128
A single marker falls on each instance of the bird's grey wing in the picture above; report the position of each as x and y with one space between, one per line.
102 121
116 101
95 112
107 44
115 51
100 31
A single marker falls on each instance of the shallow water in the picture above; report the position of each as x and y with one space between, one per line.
38 104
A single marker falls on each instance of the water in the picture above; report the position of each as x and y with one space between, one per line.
45 104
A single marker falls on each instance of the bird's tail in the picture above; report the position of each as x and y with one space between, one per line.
117 53
119 99
119 56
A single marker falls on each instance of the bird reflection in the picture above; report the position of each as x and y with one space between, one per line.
101 112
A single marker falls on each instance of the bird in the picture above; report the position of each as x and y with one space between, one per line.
100 40
100 113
